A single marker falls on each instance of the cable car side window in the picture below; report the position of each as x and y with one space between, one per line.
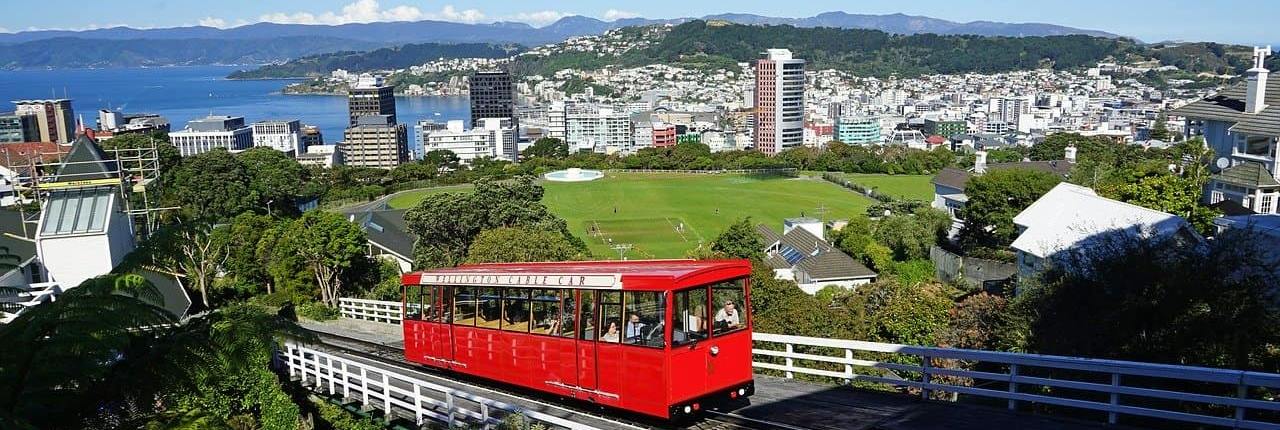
728 301
546 312
587 315
643 324
465 304
489 307
567 312
610 316
690 317
412 296
426 303
515 309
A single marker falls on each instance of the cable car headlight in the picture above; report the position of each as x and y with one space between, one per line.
715 350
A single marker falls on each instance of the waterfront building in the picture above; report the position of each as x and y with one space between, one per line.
281 135
212 132
421 130
370 96
495 138
492 96
779 102
54 118
375 141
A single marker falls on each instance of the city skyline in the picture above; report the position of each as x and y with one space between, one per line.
1146 21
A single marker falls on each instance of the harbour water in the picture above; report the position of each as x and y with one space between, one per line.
184 93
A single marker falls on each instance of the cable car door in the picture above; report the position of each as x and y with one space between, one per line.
442 314
588 316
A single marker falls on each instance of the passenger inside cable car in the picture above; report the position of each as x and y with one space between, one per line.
611 334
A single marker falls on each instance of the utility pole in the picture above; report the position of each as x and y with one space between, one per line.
622 249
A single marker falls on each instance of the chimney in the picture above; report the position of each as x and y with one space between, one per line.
1256 78
1070 155
980 162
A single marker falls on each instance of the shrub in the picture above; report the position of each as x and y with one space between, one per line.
317 311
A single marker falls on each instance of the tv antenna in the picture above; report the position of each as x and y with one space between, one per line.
622 249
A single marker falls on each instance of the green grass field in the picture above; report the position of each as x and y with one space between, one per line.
916 187
408 199
666 215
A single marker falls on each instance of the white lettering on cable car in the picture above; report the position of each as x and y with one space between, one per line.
517 280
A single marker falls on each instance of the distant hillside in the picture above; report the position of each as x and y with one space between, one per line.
863 52
380 59
83 53
907 24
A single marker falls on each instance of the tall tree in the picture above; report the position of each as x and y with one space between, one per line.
518 244
328 245
187 250
740 240
447 223
547 147
995 198
214 186
274 178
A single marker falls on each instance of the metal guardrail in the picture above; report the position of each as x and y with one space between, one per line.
1019 378
933 366
393 391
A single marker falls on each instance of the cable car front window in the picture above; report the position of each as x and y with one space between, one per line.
730 306
644 320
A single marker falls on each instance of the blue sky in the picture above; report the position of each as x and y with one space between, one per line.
1215 20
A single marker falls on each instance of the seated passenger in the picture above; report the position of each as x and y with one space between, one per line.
611 335
727 317
634 334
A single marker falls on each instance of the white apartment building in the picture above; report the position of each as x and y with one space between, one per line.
421 130
598 129
283 136
212 132
495 139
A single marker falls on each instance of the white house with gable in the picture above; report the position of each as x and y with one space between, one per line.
1070 217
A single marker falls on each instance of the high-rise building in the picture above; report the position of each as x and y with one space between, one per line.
598 129
375 141
16 128
945 128
859 130
555 121
311 136
54 118
779 102
370 96
212 132
283 136
1010 109
492 96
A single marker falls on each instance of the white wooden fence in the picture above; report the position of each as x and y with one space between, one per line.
1022 379
932 374
393 391
371 310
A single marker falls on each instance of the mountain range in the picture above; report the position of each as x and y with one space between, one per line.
514 32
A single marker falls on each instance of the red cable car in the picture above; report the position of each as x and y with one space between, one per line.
660 338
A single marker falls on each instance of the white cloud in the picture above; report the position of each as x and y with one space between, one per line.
209 21
4 30
540 18
370 11
614 15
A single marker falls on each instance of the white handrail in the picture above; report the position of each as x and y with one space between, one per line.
801 355
389 389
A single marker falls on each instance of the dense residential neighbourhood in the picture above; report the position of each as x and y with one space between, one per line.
1063 197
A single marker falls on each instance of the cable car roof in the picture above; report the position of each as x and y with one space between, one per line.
570 274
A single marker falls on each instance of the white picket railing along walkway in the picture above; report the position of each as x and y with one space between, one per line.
15 304
389 390
925 377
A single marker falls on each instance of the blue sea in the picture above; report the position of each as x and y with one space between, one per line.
184 93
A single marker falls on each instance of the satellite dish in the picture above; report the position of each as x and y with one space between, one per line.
1223 163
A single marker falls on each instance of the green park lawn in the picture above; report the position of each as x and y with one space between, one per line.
652 208
917 187
408 199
